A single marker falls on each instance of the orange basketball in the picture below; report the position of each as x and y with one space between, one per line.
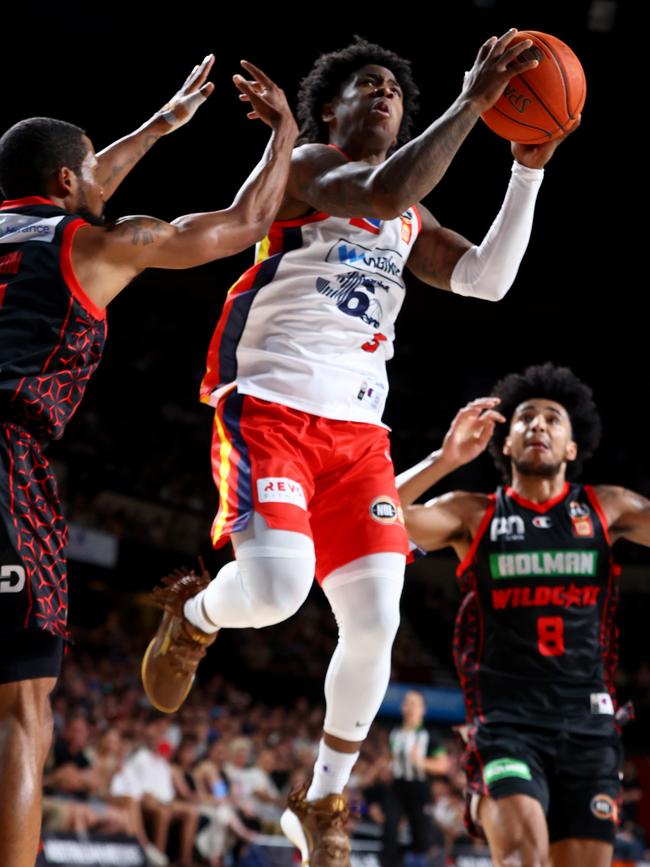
541 104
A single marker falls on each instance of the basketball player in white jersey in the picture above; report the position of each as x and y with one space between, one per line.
296 372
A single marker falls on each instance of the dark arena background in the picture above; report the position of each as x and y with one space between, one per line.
134 468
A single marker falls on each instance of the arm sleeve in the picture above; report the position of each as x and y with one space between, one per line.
489 270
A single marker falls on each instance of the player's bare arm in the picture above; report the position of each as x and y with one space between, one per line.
453 518
326 180
627 513
106 259
117 160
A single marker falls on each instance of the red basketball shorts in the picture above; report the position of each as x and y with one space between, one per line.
331 480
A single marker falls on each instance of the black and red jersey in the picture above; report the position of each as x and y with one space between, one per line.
51 341
535 637
51 333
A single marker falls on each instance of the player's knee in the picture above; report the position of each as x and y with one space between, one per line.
277 586
373 632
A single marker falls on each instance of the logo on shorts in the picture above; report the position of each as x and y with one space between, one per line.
501 769
12 579
386 511
281 490
604 807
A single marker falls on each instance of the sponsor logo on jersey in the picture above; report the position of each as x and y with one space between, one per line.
512 529
601 703
380 260
19 228
582 527
604 807
277 489
371 395
386 511
355 295
542 597
542 522
578 510
499 769
528 564
407 226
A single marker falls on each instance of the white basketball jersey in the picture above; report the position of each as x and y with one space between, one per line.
312 323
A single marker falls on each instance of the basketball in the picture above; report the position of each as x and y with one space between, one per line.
543 103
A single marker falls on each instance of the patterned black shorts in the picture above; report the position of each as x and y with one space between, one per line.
33 536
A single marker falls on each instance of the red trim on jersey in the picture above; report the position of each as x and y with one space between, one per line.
28 200
538 507
465 564
301 221
3 288
592 496
414 208
68 271
212 376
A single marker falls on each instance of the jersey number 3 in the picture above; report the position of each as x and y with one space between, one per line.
550 636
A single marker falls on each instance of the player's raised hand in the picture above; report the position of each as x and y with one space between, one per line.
536 156
195 90
496 63
471 431
267 100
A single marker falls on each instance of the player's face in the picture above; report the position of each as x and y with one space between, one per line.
540 438
90 195
370 100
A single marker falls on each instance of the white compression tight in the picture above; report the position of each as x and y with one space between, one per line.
364 596
269 581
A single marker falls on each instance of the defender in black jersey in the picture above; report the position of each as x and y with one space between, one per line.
535 639
59 268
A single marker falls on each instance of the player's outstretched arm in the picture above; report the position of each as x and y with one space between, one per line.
117 160
627 513
105 260
445 519
446 260
327 181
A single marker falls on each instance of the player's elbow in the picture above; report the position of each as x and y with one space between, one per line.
486 286
387 204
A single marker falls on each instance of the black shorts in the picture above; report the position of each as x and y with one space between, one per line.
30 654
575 777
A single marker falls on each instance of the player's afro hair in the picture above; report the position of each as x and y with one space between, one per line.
332 70
554 383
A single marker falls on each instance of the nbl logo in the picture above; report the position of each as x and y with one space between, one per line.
385 511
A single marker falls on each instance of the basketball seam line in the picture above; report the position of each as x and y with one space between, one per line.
564 79
521 122
541 102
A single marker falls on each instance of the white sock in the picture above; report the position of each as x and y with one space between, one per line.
193 610
331 772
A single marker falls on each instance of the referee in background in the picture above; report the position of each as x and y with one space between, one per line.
416 754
